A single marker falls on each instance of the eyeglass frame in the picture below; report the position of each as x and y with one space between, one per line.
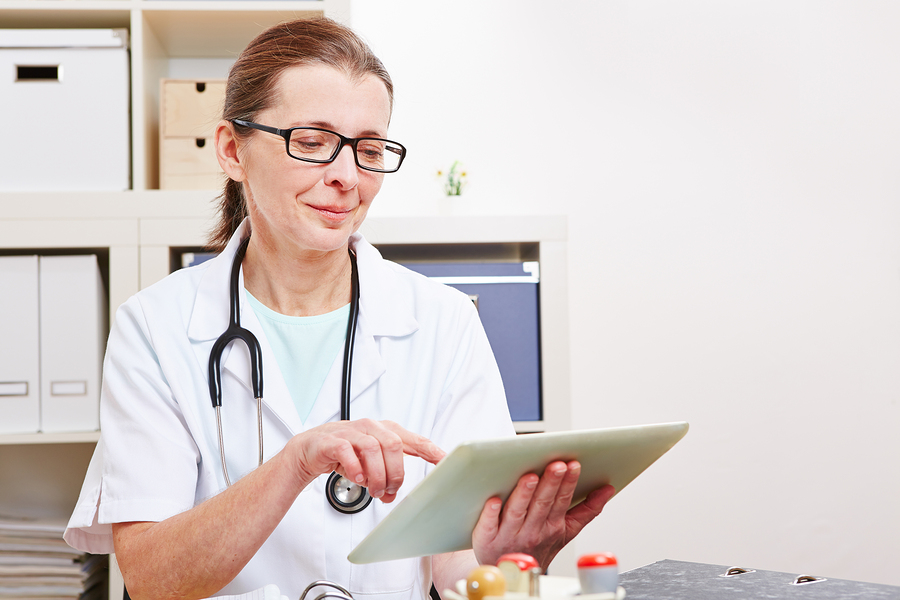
345 141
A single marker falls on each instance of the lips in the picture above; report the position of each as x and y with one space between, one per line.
332 213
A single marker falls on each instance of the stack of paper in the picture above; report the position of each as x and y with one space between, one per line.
36 564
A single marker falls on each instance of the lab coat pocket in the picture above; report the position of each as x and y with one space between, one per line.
385 580
390 579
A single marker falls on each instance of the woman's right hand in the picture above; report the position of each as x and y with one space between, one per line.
367 452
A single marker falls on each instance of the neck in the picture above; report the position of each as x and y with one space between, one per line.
301 285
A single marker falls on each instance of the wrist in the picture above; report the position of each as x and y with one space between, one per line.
294 458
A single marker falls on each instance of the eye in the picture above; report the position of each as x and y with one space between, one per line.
310 143
370 149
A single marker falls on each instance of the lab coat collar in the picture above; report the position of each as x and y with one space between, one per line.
384 311
209 318
385 308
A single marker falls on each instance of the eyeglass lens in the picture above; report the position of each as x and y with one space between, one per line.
371 153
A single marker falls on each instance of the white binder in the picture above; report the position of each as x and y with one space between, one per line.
73 327
19 354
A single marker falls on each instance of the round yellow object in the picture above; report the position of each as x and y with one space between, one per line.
486 580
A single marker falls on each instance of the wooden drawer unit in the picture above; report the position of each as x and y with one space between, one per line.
189 112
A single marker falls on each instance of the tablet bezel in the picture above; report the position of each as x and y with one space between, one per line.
440 513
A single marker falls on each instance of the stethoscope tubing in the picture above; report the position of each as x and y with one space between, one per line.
348 342
235 331
341 593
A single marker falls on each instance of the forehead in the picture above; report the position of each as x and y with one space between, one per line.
319 94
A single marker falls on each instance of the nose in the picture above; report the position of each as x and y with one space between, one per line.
342 171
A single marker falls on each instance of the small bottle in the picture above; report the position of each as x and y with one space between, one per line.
598 573
516 567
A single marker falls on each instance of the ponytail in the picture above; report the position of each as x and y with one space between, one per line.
232 211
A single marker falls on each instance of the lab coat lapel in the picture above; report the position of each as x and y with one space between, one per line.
384 311
368 366
275 391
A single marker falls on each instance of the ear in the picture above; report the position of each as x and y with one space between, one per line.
227 151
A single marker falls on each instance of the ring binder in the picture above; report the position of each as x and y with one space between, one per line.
678 580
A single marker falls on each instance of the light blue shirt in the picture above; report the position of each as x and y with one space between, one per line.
305 348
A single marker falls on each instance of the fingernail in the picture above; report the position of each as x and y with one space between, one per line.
378 494
531 484
360 478
495 505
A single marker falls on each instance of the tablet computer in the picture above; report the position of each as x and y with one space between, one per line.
440 513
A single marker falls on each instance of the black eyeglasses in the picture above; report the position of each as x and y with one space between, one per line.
315 145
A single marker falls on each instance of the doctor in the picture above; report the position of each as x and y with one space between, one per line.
423 377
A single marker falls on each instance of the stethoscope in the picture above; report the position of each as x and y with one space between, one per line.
343 494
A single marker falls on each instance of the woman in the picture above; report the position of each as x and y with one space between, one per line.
423 377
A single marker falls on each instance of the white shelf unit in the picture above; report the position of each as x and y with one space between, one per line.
41 474
139 228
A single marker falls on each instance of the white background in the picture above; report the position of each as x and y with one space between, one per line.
730 171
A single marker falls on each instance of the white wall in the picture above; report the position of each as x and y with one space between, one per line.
731 174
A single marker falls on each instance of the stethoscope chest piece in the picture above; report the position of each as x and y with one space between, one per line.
346 496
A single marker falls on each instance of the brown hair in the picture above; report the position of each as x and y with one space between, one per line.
251 87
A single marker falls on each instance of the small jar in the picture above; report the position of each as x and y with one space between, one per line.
598 573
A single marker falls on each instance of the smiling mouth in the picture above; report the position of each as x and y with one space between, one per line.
331 214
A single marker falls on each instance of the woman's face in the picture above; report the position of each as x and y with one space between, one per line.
298 206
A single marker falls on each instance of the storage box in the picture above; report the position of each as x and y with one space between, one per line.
189 113
506 296
65 96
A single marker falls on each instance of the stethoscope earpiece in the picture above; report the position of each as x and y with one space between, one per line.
346 496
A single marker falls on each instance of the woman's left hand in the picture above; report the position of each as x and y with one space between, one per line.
536 519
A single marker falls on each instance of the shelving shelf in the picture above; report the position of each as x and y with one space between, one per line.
86 437
138 229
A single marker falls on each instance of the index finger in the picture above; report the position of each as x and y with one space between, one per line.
415 444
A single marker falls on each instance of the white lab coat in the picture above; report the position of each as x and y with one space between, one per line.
421 359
